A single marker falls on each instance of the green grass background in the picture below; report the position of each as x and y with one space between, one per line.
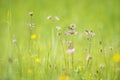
101 16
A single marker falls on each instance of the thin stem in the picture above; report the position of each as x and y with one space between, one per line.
63 51
89 44
30 33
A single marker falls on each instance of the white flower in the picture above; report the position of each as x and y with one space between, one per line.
58 28
32 25
90 33
71 32
49 17
70 51
57 18
102 66
14 41
72 26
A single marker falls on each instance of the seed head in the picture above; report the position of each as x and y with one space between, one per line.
102 66
72 26
89 57
32 25
89 33
70 44
59 33
31 13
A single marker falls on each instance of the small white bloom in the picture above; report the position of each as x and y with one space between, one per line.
87 32
58 28
31 13
14 41
72 26
32 25
57 18
49 17
92 34
102 66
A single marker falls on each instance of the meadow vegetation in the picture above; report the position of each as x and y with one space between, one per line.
59 40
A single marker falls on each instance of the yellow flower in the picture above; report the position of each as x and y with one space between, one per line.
116 58
38 60
63 78
33 36
29 71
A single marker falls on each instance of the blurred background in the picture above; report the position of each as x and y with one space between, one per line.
101 16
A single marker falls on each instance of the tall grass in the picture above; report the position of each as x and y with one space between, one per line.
32 49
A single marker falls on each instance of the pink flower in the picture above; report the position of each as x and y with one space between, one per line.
88 57
70 51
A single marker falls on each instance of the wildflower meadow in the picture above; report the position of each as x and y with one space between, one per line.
59 40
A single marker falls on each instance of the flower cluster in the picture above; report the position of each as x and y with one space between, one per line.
90 33
71 49
31 25
71 30
53 18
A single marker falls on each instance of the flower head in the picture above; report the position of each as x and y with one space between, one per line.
71 30
29 71
116 58
72 26
70 51
38 60
70 47
31 13
58 28
53 18
63 78
89 57
14 41
49 17
102 66
33 36
56 18
70 44
32 25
